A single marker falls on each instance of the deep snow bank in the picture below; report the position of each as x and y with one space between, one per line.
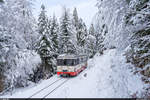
115 76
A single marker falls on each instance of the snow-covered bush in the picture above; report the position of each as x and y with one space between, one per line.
20 67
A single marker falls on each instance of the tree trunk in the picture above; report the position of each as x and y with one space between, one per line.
1 83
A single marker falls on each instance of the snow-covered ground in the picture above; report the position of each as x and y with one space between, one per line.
108 76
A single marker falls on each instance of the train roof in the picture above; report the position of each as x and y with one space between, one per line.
68 56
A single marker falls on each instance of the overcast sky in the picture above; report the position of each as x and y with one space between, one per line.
86 8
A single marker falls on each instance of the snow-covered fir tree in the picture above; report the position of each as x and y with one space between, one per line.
43 26
91 41
75 19
67 36
80 31
92 30
99 37
54 30
81 36
42 21
45 47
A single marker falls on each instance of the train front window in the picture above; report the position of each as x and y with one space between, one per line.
65 62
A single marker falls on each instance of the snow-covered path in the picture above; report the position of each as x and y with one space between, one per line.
108 76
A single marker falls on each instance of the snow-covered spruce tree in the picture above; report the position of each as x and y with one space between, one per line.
80 31
45 47
81 36
92 30
85 30
42 21
138 19
75 23
75 19
66 36
54 30
91 41
99 37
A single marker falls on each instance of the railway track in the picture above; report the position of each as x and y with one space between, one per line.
55 88
58 86
49 88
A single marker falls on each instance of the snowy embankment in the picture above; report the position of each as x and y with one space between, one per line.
108 76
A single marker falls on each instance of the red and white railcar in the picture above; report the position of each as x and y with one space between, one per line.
71 65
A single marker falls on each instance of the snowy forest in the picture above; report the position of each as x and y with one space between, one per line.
29 47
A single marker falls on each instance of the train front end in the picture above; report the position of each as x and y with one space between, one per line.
66 66
70 65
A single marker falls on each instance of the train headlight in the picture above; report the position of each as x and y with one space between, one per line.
59 68
74 69
71 69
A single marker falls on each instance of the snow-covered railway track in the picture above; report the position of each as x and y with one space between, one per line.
55 88
44 88
47 90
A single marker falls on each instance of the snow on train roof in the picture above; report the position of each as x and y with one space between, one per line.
67 56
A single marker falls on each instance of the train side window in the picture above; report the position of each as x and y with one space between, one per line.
76 63
72 62
65 62
68 62
60 62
